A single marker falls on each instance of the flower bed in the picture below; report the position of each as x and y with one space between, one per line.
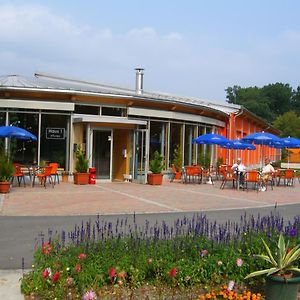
105 259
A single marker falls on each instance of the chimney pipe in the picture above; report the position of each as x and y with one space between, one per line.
139 80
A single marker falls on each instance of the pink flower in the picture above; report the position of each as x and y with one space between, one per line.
122 275
69 281
55 277
112 273
230 285
81 256
77 268
239 262
90 295
173 272
46 248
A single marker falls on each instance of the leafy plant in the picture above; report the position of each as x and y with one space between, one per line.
283 264
204 160
156 164
177 158
6 168
82 163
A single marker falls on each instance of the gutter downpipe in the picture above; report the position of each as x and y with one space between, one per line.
232 130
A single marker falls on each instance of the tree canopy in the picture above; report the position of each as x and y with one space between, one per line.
277 103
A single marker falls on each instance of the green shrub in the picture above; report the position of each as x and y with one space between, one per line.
156 165
82 163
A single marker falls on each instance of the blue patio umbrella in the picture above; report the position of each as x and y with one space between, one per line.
16 132
261 138
210 139
238 145
287 142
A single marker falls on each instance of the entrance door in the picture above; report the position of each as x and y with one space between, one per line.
102 153
140 166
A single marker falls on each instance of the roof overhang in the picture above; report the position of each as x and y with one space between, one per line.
78 118
29 104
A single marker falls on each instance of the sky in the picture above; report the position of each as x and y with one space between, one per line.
191 48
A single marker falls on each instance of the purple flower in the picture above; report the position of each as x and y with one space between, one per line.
203 253
292 232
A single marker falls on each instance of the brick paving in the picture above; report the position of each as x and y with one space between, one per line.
67 199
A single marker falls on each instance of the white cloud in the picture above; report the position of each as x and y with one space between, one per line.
33 38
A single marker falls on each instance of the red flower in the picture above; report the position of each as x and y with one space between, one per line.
45 273
55 277
289 250
78 268
112 273
46 248
173 272
81 256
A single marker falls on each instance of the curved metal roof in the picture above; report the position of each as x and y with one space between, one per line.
59 84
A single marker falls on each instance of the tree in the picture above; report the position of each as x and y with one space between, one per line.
289 124
279 97
251 98
267 102
296 101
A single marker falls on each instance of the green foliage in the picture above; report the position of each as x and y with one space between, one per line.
156 165
282 262
289 124
220 162
6 167
82 163
177 158
267 102
204 160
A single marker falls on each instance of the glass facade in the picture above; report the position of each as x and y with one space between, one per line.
188 146
2 123
175 139
157 138
53 138
21 151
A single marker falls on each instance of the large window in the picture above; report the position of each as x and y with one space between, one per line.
24 152
54 138
2 123
175 138
157 138
188 147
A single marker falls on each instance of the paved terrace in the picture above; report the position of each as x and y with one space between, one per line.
67 199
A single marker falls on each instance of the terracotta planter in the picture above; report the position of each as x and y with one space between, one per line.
81 178
155 179
4 187
64 178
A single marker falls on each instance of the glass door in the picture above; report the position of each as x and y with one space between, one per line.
140 154
101 157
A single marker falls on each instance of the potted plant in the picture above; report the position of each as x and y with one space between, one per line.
6 172
283 276
81 176
177 161
156 166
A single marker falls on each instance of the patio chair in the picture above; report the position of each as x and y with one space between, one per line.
227 177
46 174
192 174
54 172
288 177
254 178
19 174
175 174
